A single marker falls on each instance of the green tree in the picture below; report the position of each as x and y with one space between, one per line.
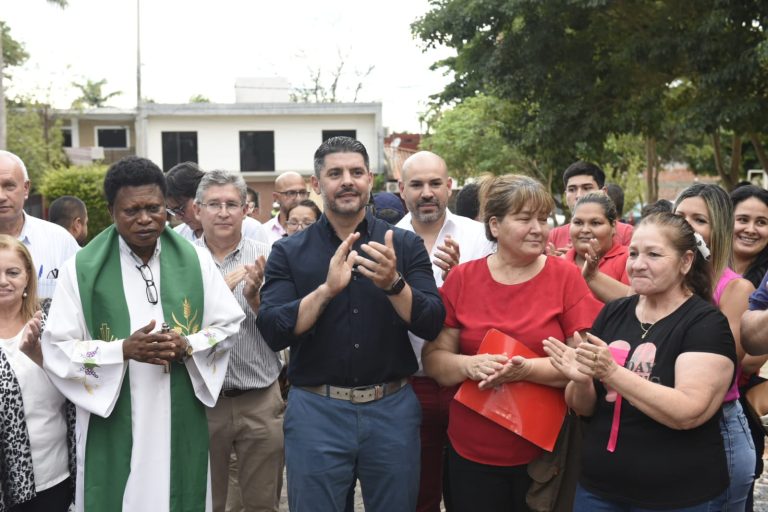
92 95
14 53
582 71
472 139
199 98
17 56
87 183
35 136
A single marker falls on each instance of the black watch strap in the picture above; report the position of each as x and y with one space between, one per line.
397 286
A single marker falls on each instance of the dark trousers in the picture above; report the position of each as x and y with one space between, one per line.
475 486
56 499
435 401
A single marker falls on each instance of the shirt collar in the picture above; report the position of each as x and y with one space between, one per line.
24 235
365 225
236 252
125 249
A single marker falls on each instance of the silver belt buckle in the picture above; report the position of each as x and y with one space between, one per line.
378 392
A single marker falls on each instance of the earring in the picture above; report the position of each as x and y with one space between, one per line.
24 295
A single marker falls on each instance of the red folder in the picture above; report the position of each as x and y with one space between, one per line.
532 411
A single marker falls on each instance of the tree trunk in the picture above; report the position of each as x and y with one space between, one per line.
3 136
735 170
760 150
652 176
718 154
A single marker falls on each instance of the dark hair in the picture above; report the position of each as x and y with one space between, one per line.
339 145
132 171
511 193
468 202
759 266
609 209
252 193
660 206
309 204
720 221
66 209
582 168
182 180
681 237
616 193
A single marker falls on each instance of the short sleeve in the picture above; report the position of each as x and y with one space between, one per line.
450 293
580 307
758 301
708 331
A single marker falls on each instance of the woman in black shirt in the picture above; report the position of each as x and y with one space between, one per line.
653 441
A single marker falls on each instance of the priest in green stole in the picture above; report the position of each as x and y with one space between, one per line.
140 392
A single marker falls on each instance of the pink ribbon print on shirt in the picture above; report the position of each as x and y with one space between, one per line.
641 363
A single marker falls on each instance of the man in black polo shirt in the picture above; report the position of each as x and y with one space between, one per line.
343 294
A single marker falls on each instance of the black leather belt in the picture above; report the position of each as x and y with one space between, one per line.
232 393
358 395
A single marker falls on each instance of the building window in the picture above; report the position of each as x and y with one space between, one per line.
66 133
178 147
327 134
115 137
257 151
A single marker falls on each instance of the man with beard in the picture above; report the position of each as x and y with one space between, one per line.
346 312
450 239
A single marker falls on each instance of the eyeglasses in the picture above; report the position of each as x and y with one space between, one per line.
295 224
149 280
217 207
293 193
178 211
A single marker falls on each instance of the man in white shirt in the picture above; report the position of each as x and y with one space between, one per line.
290 189
449 239
182 181
49 244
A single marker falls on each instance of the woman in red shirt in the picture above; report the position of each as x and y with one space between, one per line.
526 294
593 226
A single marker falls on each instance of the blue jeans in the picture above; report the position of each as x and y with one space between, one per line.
740 452
586 501
327 441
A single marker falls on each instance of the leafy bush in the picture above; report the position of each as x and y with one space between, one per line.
87 183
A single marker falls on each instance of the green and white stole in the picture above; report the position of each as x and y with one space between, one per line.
109 443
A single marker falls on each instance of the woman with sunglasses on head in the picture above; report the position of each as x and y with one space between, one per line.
708 210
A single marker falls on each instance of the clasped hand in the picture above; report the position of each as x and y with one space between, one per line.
150 347
492 370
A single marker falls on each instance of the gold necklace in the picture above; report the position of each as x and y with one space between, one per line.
645 329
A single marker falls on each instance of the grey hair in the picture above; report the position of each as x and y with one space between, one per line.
219 178
18 161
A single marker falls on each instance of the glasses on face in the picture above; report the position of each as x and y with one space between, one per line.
178 211
149 280
294 224
291 194
231 207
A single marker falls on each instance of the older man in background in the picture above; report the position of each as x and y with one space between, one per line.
290 189
248 417
49 244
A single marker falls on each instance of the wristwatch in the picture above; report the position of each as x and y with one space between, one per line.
397 286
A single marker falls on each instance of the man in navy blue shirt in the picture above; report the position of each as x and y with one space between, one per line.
343 294
754 323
